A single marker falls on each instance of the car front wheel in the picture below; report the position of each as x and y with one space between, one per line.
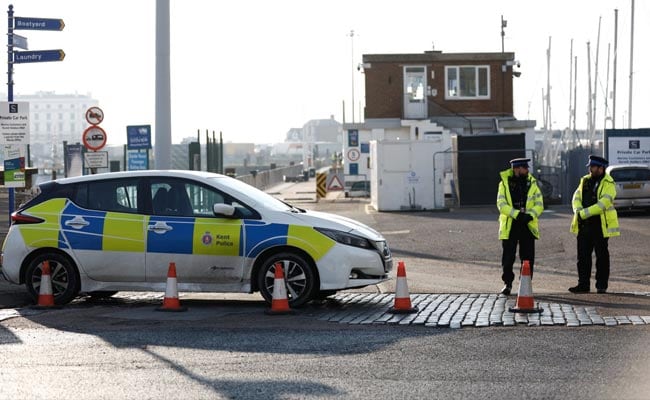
299 278
63 275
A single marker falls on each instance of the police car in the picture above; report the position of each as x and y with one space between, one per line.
119 231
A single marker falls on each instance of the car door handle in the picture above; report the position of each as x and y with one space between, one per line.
160 227
77 222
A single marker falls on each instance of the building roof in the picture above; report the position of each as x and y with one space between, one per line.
437 56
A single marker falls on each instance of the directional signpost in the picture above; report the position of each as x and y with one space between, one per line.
38 24
22 57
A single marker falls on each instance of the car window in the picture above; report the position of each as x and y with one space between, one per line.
178 197
631 174
253 193
117 195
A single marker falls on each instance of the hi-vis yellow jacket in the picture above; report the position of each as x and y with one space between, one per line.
604 207
534 205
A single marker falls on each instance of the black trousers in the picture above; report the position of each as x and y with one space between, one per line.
588 241
519 235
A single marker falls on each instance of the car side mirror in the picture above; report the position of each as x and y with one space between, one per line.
224 209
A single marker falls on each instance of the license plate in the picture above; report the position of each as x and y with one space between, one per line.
632 186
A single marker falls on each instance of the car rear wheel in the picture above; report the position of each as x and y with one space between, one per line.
299 278
63 275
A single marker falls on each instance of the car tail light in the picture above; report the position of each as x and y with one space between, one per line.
18 218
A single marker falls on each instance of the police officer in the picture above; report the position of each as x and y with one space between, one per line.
594 221
520 204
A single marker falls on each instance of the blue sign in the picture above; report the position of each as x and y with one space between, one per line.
353 137
21 57
38 24
138 160
138 137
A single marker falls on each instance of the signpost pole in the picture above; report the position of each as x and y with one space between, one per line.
10 86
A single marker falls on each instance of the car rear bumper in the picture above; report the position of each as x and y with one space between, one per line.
623 204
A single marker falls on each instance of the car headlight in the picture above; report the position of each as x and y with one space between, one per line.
346 238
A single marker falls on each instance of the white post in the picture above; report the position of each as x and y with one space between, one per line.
162 147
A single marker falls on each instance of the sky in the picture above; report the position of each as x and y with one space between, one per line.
253 69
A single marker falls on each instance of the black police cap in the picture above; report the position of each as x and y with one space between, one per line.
597 160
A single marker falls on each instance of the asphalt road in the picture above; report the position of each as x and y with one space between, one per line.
224 346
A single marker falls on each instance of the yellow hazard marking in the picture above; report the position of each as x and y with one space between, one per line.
314 243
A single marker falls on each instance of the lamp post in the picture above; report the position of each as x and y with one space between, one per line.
352 59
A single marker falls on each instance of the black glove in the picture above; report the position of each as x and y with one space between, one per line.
524 218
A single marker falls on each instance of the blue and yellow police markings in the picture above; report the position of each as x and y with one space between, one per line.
83 229
221 238
176 239
261 236
313 242
47 233
123 232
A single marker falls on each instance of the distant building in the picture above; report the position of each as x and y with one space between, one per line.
55 118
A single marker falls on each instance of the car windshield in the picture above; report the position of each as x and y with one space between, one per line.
260 197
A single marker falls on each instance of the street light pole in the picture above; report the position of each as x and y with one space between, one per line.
352 58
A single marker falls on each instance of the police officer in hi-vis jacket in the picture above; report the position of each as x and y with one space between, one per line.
594 221
520 204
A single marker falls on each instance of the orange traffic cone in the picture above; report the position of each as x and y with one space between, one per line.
171 302
525 301
280 302
402 298
45 296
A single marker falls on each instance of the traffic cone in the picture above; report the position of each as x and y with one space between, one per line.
525 301
45 296
171 302
402 298
280 302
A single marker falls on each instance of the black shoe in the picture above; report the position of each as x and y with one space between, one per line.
506 290
601 291
579 289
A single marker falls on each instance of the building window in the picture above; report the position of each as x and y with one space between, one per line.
467 82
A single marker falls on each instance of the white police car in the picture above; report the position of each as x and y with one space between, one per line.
119 231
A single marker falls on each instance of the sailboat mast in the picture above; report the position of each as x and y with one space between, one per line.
614 72
548 85
606 89
570 84
595 92
629 114
589 109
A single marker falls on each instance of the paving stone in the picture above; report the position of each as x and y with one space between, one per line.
482 323
462 310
